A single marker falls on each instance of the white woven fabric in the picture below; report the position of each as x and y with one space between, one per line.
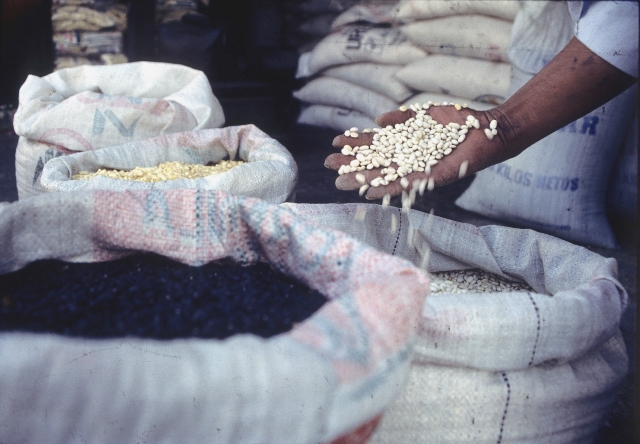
473 79
333 372
90 107
518 367
270 172
409 10
462 35
339 93
338 119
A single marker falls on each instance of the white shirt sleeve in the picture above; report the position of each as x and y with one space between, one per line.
610 29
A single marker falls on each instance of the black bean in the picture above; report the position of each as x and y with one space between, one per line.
150 296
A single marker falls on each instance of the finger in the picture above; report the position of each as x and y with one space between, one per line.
362 139
336 160
349 181
394 117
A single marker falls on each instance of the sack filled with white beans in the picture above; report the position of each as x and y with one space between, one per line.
559 184
269 171
533 365
472 79
334 118
410 10
90 107
354 44
376 77
475 36
327 380
339 93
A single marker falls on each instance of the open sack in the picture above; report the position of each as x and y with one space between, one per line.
270 172
91 107
520 367
332 374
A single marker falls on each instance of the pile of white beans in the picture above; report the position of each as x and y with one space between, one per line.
415 145
472 281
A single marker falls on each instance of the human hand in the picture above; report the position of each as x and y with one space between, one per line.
473 154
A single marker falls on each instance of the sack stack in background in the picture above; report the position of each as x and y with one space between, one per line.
307 22
88 32
381 54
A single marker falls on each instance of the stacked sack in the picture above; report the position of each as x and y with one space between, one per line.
88 32
307 22
382 54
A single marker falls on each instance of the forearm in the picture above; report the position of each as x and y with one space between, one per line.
574 83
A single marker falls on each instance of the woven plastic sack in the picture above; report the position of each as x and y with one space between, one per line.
90 107
473 79
559 184
335 118
376 77
270 172
339 93
354 44
332 374
409 10
476 36
525 367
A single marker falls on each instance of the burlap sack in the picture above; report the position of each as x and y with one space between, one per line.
332 374
525 367
270 172
91 107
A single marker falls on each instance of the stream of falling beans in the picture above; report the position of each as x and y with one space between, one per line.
417 145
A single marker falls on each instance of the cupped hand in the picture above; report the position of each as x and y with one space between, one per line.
475 153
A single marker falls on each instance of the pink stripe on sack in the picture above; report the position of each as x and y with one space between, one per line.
154 106
61 136
375 299
360 435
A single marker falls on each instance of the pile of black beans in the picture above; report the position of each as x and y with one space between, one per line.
150 296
